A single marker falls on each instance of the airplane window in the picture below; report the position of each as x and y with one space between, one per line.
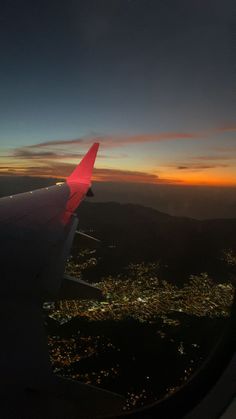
117 207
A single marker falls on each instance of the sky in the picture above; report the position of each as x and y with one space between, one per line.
152 80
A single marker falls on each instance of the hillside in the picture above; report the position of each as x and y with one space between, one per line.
133 233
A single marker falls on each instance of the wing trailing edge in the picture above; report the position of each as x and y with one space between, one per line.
73 288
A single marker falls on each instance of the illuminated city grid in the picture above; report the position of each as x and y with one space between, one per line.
138 294
141 295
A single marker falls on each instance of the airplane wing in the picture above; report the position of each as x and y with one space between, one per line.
37 230
36 234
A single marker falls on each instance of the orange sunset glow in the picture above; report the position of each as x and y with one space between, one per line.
60 169
178 158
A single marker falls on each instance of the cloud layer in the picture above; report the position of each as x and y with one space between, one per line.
120 140
55 157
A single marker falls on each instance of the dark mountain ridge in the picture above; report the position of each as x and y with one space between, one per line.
187 246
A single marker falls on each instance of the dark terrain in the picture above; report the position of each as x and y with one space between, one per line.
150 359
184 246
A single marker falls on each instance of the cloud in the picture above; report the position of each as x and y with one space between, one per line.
53 154
159 137
54 158
227 128
124 176
227 149
76 141
199 166
216 157
114 175
26 153
118 140
47 169
62 170
111 141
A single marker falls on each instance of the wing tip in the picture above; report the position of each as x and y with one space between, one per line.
83 172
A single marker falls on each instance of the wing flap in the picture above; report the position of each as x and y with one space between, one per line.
73 288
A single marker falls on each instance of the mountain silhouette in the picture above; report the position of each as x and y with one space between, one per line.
134 233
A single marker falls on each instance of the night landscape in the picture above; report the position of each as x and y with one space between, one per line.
117 207
157 324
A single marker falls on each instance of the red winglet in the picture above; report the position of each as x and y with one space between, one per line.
83 172
79 182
